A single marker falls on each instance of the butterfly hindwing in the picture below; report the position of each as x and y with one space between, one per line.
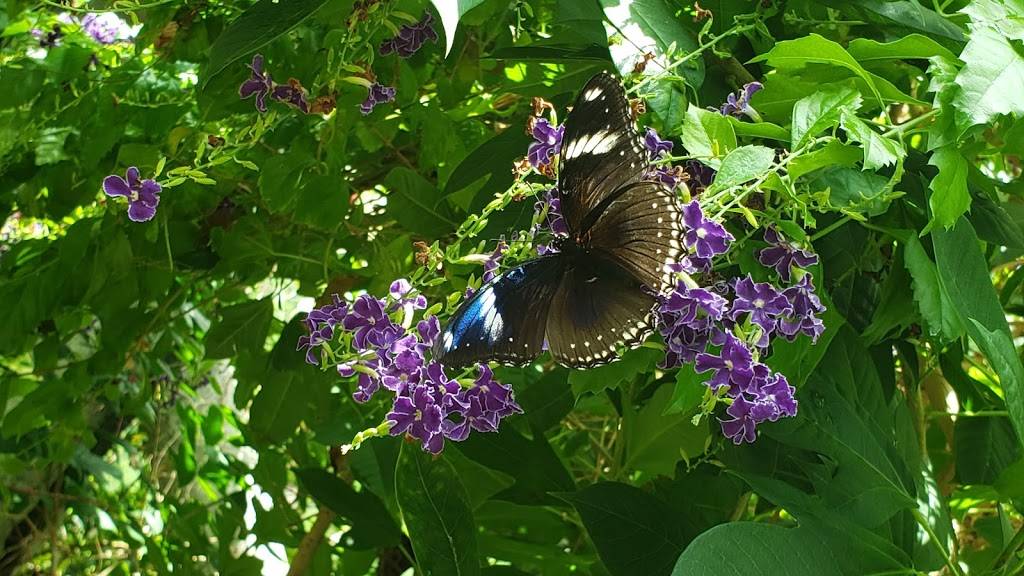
640 230
505 319
601 150
598 308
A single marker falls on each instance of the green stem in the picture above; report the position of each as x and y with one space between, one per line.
68 8
923 522
910 123
830 228
978 414
1007 554
167 242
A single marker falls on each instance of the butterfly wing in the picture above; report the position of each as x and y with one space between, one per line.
640 229
505 320
601 150
598 308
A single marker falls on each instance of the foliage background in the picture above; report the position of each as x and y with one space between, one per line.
155 418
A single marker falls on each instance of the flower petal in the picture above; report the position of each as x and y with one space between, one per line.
116 186
139 211
133 177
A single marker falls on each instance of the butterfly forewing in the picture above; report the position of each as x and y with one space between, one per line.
601 150
598 308
640 230
504 320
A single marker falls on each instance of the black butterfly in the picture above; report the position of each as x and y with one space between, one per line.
598 292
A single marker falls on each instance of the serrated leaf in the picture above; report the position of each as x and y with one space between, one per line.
820 111
741 165
259 25
878 150
932 300
912 46
949 198
991 81
707 135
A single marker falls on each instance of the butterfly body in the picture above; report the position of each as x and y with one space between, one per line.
597 292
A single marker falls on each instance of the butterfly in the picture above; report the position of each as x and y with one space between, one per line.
598 292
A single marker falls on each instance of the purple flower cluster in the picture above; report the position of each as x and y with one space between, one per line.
547 140
427 404
106 27
657 148
261 84
410 38
377 94
724 331
738 104
494 261
143 195
48 39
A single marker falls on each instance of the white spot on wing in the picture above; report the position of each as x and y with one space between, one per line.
592 94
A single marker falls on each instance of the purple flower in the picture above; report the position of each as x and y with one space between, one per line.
483 406
655 145
804 308
429 329
369 320
259 83
418 415
733 367
694 307
143 195
106 27
48 39
366 384
742 427
738 104
292 94
554 222
547 141
320 323
378 94
762 302
705 237
774 398
494 261
410 38
783 255
700 175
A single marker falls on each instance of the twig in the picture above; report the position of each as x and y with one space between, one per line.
310 542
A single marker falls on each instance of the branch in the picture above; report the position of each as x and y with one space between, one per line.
310 542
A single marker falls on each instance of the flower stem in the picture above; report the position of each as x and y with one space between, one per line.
954 568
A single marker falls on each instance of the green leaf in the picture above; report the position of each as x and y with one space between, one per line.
635 533
878 150
372 524
259 25
242 327
903 15
633 363
417 204
768 550
741 165
999 349
991 81
436 511
975 465
689 390
656 441
1005 16
651 26
815 49
278 178
949 198
852 190
833 153
707 135
451 11
932 300
278 408
912 46
821 111
533 463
